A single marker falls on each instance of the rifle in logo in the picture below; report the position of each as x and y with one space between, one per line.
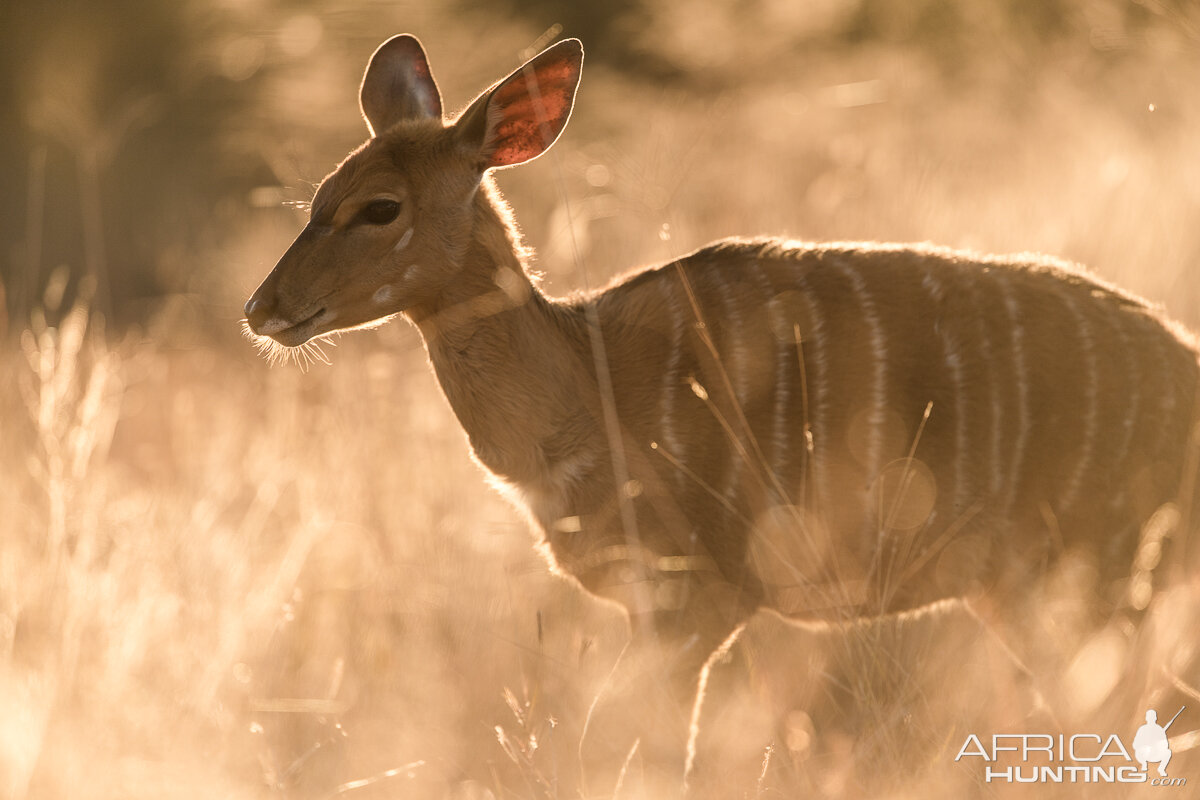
1150 742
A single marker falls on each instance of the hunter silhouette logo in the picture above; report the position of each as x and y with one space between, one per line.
1150 742
1074 758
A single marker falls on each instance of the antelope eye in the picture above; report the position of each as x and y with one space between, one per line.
379 212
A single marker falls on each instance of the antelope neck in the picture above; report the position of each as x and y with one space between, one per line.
504 354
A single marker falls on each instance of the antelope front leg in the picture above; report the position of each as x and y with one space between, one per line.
649 712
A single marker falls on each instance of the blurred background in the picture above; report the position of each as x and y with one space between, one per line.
219 578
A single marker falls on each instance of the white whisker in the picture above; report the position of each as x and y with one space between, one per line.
302 355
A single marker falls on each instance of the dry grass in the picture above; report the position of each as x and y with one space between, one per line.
223 579
218 572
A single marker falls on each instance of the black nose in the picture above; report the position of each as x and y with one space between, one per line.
258 311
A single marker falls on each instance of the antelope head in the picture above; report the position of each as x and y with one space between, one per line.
391 228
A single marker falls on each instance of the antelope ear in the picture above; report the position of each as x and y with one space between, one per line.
519 118
398 85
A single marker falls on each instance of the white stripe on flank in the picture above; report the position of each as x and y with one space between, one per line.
733 362
1016 346
783 350
1134 383
953 358
1165 388
1134 365
818 374
1087 450
671 378
878 394
996 484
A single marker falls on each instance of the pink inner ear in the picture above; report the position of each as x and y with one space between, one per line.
534 107
424 88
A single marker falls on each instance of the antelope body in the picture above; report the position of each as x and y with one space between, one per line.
828 430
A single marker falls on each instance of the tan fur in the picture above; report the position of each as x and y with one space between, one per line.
1059 408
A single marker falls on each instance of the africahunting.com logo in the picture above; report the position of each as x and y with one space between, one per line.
1078 758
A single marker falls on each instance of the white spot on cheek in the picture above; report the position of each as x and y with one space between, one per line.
327 316
404 240
382 294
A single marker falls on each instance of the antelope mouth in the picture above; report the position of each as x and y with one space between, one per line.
298 333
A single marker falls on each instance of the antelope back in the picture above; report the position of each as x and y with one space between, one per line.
870 428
